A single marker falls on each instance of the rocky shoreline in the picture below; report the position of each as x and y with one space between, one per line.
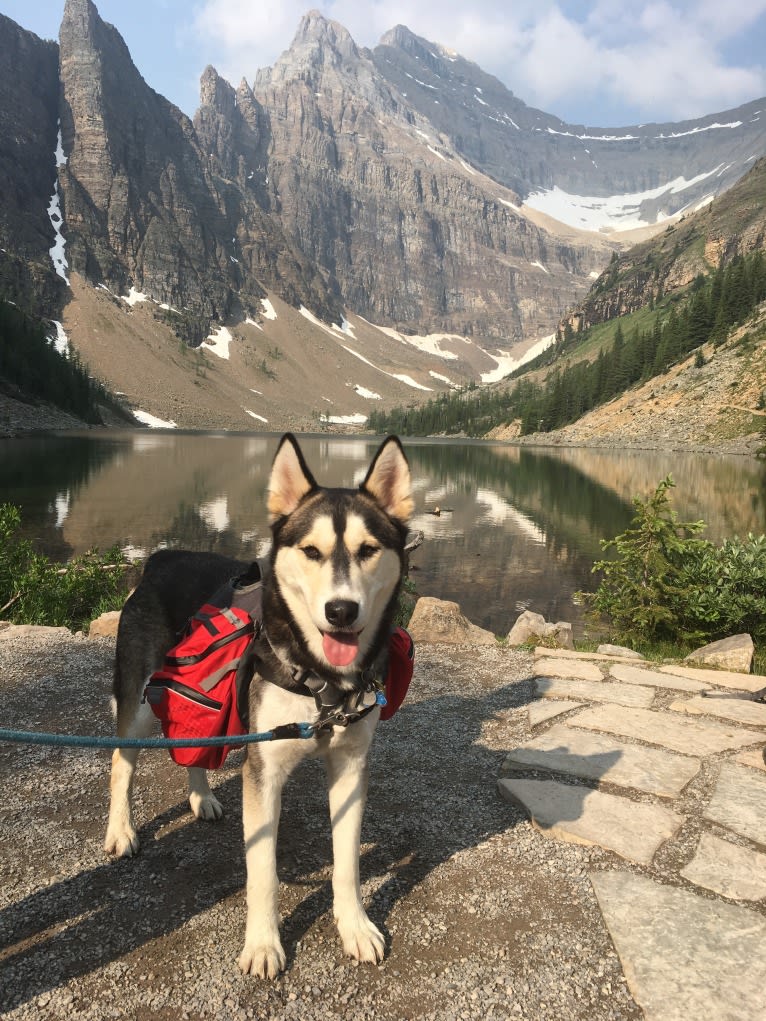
18 418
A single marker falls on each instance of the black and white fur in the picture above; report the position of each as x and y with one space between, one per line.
336 565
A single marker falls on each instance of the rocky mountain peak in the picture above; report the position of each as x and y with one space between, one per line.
80 16
315 28
216 92
401 38
318 44
83 31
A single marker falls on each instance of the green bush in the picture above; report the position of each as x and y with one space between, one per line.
663 583
36 590
727 588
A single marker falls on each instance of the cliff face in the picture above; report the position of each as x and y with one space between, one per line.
232 128
136 206
28 131
413 234
145 203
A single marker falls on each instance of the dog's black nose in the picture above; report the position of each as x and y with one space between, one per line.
341 612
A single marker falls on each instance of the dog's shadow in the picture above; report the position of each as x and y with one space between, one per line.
432 794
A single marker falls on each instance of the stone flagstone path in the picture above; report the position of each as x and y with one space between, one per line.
636 760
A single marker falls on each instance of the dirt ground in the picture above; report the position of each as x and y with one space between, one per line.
483 916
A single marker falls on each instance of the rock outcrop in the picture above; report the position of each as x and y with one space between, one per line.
440 620
733 653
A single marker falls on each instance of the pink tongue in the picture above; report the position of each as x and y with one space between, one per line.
340 648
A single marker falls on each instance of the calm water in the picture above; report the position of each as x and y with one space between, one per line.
519 527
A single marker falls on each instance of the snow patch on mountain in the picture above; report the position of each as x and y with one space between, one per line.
152 421
612 212
507 363
430 343
269 312
219 342
60 341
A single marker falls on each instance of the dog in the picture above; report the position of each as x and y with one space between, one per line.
335 570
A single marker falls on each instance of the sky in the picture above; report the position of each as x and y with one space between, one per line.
601 63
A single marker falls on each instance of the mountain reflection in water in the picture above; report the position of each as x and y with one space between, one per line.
518 527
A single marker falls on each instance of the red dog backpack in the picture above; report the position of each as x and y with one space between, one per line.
401 661
201 690
202 687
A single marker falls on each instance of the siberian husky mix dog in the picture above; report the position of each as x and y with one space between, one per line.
336 565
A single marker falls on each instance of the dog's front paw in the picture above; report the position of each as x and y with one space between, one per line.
362 940
266 960
205 806
121 841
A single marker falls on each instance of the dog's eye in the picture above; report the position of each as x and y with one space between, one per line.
311 552
367 550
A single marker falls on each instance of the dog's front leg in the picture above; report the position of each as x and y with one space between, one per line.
347 778
261 804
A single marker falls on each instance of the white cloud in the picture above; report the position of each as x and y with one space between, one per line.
647 60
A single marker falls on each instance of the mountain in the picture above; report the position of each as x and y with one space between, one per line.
394 204
733 224
415 237
144 202
593 178
667 351
28 117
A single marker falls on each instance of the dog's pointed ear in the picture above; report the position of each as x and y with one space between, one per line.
290 479
388 481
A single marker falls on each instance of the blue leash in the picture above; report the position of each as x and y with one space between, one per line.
301 730
288 730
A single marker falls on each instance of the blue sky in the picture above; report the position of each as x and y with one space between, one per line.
602 63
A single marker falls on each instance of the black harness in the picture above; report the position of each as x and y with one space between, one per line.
338 708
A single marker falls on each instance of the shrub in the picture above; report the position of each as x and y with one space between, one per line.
36 590
727 588
665 583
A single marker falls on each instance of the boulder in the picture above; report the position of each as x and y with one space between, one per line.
533 627
618 650
528 626
31 631
105 626
438 620
734 653
561 633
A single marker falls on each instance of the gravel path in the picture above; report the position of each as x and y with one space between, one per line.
483 916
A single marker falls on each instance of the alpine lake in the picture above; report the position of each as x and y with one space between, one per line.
506 528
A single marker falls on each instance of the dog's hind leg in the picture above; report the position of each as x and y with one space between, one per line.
347 778
204 803
136 656
121 838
